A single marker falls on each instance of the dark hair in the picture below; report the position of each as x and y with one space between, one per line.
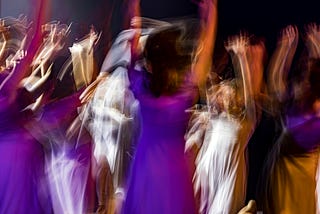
307 84
169 58
314 78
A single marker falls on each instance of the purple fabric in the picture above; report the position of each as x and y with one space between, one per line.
305 131
23 187
68 160
160 181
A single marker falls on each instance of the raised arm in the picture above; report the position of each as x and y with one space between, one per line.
256 58
3 32
281 61
313 40
134 11
83 59
8 88
238 48
209 14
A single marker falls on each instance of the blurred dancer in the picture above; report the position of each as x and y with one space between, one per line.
68 145
290 176
227 125
160 181
111 117
112 114
22 184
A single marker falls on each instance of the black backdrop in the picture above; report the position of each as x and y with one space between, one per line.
261 17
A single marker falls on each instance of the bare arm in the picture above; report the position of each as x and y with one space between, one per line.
281 61
238 46
209 13
256 57
3 32
313 40
10 85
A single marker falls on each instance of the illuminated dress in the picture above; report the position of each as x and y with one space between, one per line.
292 168
114 112
23 187
221 173
226 125
160 180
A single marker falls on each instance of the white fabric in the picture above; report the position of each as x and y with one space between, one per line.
221 173
112 114
120 51
113 105
197 129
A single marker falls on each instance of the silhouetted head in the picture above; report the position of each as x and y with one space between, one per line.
314 78
306 87
168 58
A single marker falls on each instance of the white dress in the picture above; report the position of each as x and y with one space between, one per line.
221 171
112 118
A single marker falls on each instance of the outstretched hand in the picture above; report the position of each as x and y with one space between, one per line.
251 208
94 38
313 32
289 36
237 44
4 30
313 39
54 35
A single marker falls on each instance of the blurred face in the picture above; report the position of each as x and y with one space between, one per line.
220 97
225 99
220 101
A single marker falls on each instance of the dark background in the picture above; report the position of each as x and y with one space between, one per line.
264 18
261 17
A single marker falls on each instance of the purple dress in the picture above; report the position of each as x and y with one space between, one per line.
160 181
23 187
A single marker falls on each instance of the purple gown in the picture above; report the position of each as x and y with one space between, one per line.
160 181
23 188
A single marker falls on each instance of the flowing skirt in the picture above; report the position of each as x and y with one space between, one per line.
160 182
221 172
23 187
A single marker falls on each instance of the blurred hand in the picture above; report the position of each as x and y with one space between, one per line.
54 35
313 32
289 37
251 208
4 30
237 44
312 39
